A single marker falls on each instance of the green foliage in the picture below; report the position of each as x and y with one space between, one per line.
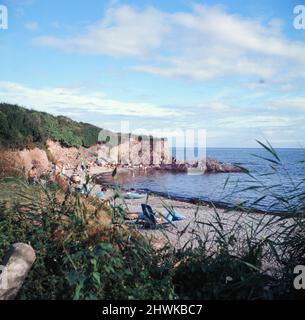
223 276
23 128
71 264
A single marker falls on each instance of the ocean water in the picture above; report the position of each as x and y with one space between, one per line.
275 181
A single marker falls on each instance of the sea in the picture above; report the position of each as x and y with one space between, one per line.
267 184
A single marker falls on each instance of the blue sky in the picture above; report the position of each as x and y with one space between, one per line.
234 68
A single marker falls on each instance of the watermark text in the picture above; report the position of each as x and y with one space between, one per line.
299 280
299 19
3 17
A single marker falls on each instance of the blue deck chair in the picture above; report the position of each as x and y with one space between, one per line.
150 217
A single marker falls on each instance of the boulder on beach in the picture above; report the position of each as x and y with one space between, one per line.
15 266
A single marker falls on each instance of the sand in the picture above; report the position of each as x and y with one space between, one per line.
196 215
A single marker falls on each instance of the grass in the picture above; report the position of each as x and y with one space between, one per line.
82 249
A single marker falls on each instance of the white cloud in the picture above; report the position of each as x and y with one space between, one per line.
214 107
255 121
214 43
203 44
70 101
55 24
32 26
288 103
122 32
20 7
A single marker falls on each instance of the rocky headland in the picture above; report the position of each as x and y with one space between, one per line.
35 139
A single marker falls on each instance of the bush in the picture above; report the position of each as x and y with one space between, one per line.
21 128
77 256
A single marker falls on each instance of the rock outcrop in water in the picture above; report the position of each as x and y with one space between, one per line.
215 166
200 167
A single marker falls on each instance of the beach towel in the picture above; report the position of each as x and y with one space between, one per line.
100 194
177 216
130 195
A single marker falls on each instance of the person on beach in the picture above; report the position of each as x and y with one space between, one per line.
82 166
52 173
162 161
104 195
63 171
33 175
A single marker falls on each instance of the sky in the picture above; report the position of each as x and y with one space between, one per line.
234 68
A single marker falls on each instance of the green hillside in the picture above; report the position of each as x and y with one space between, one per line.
24 128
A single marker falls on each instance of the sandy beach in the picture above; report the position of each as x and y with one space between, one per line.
197 214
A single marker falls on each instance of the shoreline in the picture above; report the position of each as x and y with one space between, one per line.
195 201
199 215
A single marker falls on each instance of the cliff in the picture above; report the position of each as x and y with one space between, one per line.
30 138
133 154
